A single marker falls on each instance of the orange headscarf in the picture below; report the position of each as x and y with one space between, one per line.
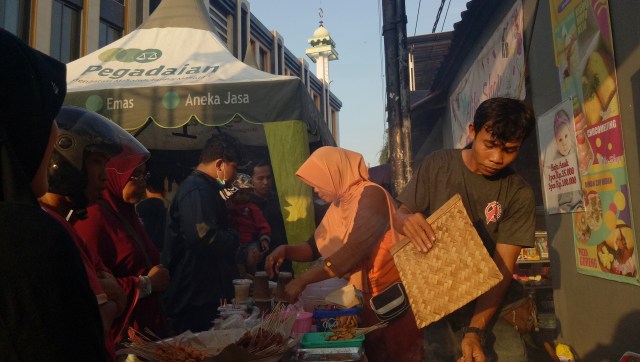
342 173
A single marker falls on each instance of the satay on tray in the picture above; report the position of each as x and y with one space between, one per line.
267 339
347 328
271 336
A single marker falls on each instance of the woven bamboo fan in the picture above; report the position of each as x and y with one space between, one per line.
454 272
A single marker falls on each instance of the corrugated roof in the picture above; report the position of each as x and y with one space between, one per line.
465 35
428 53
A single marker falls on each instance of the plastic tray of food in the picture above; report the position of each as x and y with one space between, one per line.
327 319
341 354
319 340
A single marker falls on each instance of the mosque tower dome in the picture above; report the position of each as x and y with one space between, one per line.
321 32
322 51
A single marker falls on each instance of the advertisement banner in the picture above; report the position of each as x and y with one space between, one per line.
603 234
498 71
559 162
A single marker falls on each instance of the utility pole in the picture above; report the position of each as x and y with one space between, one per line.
394 30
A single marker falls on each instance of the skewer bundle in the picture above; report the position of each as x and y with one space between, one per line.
270 336
176 350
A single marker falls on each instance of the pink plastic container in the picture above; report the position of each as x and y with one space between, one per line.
302 323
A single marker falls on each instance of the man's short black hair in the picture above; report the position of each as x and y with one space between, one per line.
509 119
222 146
155 183
260 163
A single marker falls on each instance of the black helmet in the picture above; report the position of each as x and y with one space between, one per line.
83 131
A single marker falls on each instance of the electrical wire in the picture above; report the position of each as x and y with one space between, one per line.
445 17
417 15
382 81
435 24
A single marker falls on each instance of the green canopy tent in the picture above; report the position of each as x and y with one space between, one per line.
172 83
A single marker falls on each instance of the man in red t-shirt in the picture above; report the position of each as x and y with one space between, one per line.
246 218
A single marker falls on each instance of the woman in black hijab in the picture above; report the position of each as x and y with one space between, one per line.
47 309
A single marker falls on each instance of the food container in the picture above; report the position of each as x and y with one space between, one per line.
309 302
303 323
342 354
314 293
318 340
265 305
241 288
261 286
283 279
325 319
322 288
272 288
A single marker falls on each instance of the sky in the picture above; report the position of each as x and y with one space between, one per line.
357 77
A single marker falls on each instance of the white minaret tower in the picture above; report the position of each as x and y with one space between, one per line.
322 51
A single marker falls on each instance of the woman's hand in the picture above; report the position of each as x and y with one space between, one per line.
274 260
159 276
114 291
293 289
108 312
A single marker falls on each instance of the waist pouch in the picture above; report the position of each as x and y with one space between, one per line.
522 315
390 303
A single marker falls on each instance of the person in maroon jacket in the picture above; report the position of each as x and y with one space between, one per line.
113 231
247 218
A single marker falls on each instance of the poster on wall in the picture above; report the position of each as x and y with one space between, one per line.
498 71
604 238
559 162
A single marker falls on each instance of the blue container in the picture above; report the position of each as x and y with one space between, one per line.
325 320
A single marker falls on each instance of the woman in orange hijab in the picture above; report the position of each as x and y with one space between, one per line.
354 238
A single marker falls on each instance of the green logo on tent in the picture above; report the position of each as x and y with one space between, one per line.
130 55
170 100
93 103
149 55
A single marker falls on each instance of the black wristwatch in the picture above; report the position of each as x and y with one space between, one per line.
479 332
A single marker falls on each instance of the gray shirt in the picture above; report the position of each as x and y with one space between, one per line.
501 208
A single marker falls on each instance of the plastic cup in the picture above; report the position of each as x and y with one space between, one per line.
242 288
303 323
261 286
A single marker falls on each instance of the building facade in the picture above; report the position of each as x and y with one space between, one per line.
70 29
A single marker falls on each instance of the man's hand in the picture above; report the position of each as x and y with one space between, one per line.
415 227
471 348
